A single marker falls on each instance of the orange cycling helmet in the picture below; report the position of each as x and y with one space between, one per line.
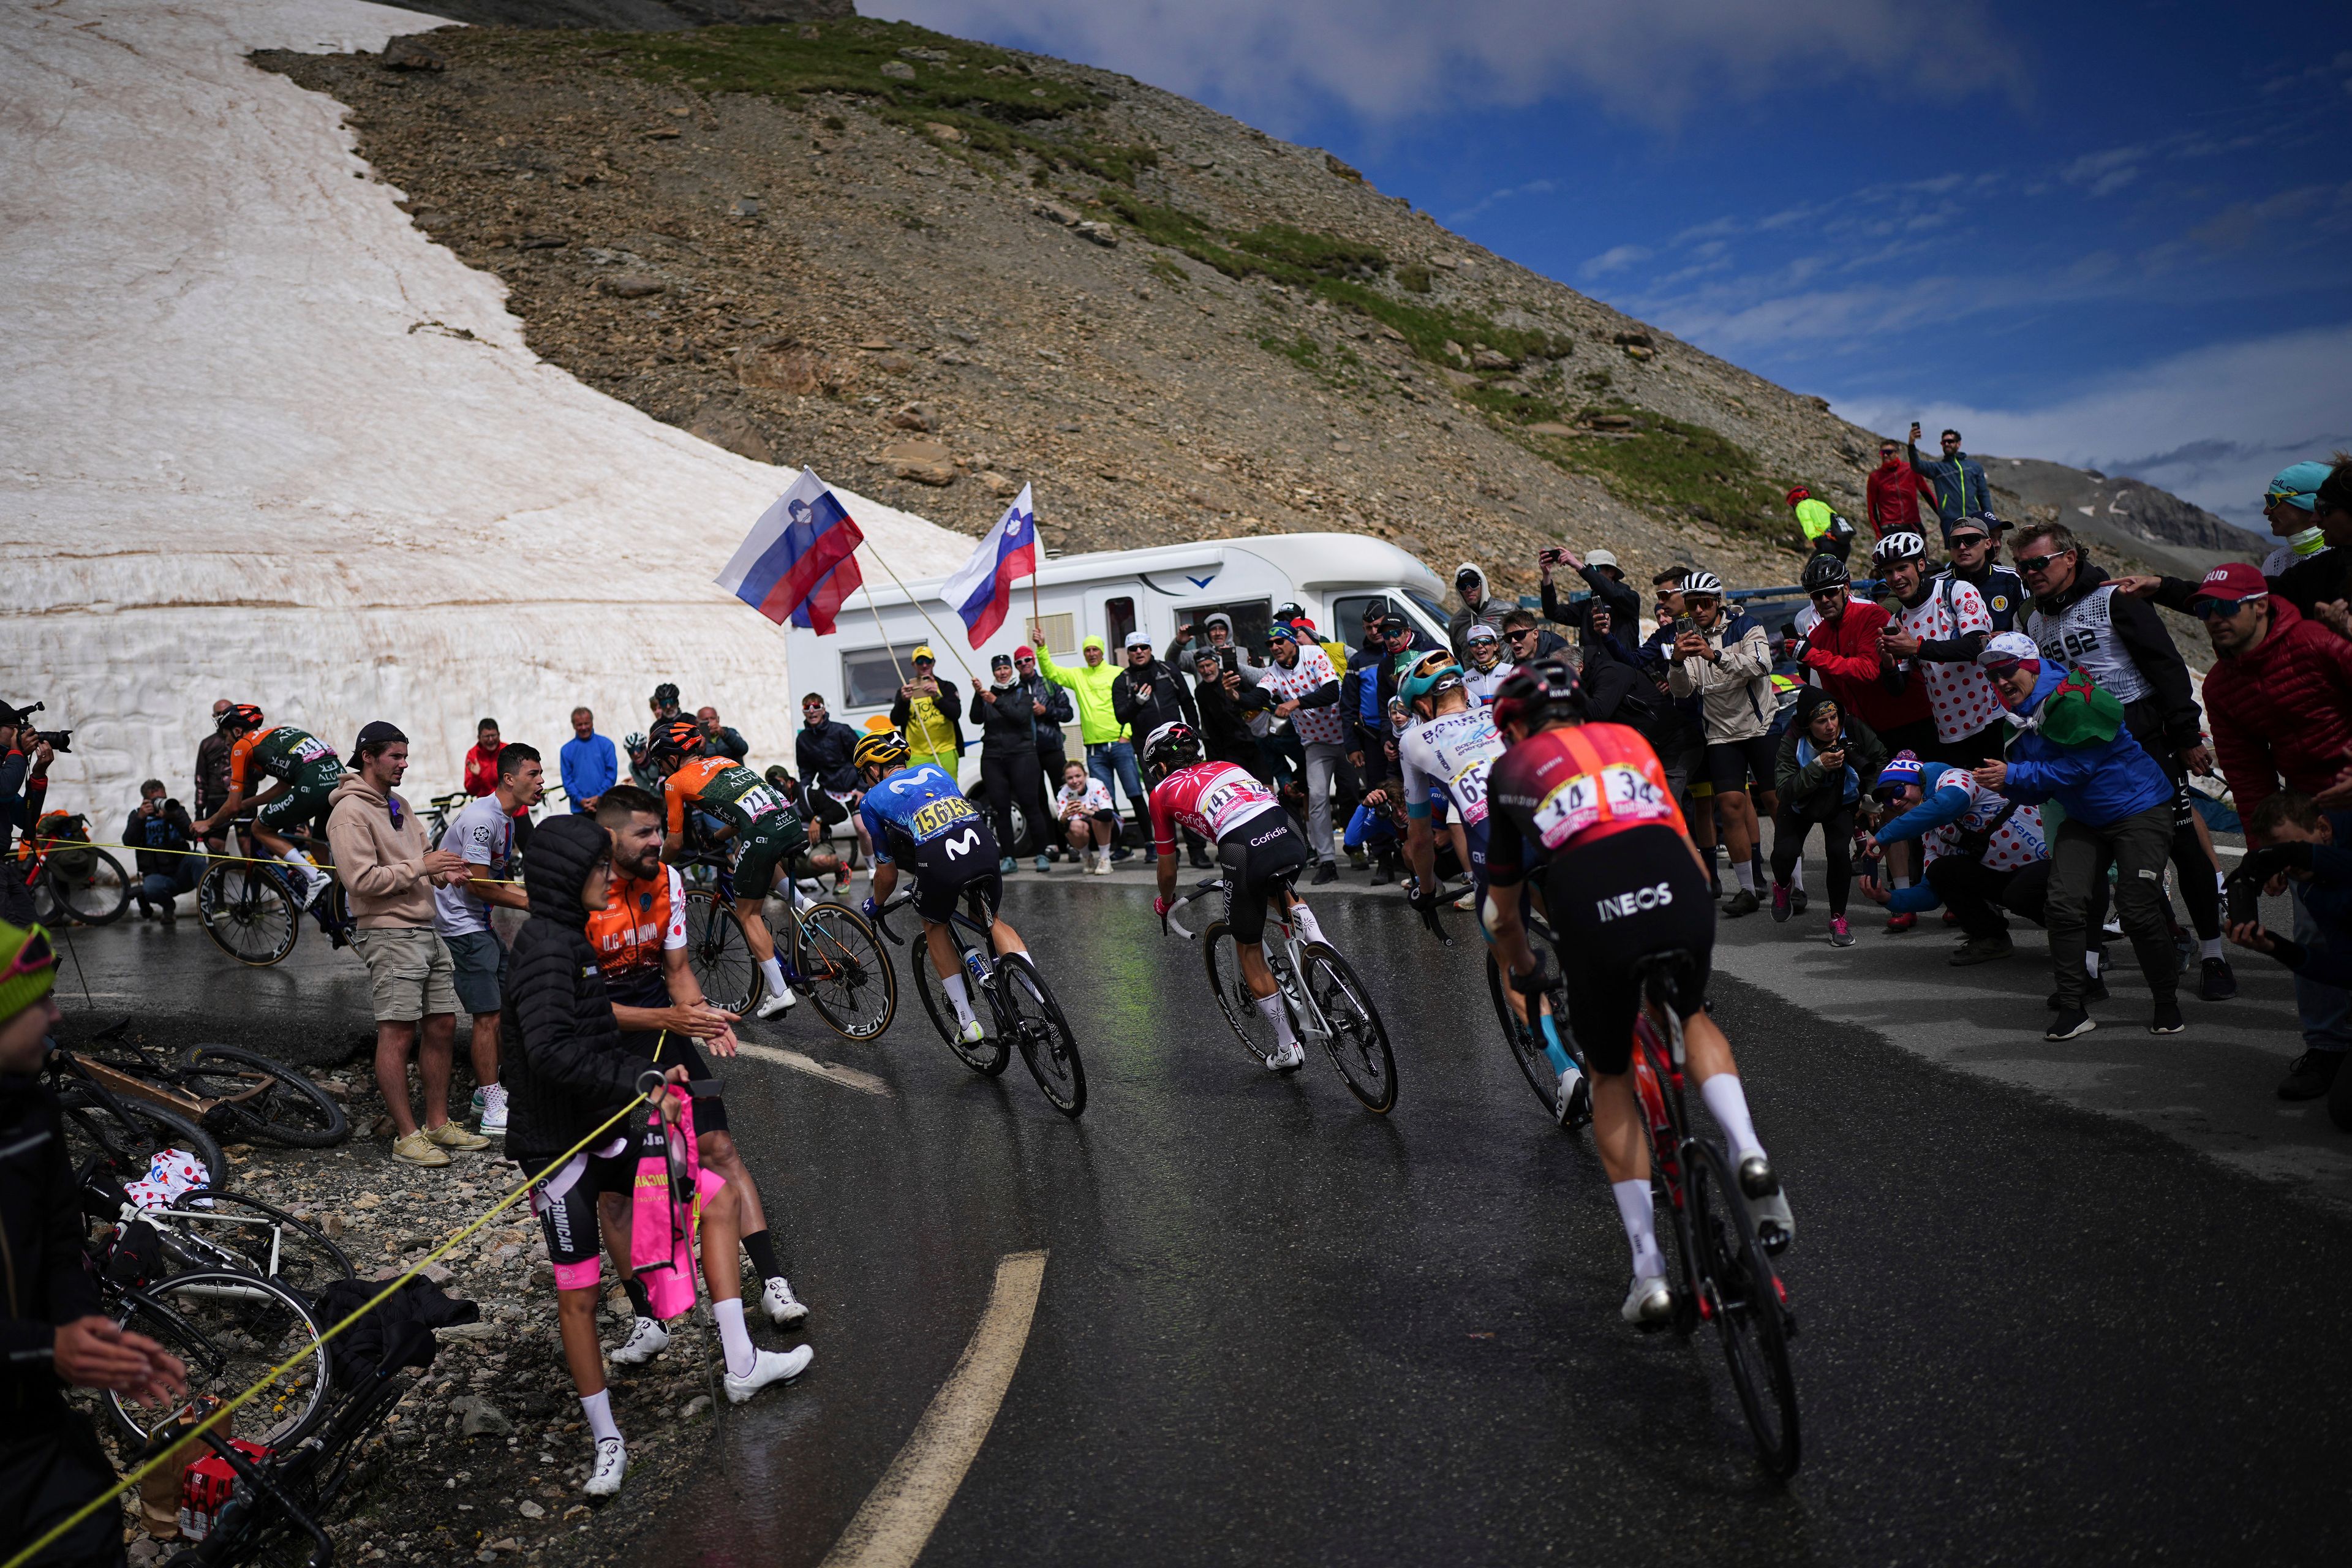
675 737
241 716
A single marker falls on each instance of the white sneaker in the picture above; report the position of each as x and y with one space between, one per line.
1087 864
783 1309
494 1111
648 1338
1102 864
612 1464
779 1002
970 1033
767 1367
1649 1301
1286 1058
315 887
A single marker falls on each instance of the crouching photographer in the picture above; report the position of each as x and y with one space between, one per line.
2300 856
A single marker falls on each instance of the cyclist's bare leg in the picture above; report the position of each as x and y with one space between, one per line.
1255 973
753 913
1005 938
718 1153
945 963
1618 1132
576 1318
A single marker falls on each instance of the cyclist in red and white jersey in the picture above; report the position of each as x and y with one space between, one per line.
1258 850
1586 807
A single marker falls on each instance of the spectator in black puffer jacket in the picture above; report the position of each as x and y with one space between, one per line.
567 1075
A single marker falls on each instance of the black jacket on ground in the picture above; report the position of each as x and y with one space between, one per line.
563 1067
1170 700
45 1283
1007 717
822 752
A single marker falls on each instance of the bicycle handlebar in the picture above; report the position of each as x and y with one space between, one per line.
1200 891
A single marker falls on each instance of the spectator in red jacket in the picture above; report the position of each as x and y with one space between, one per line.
1895 489
482 761
2279 696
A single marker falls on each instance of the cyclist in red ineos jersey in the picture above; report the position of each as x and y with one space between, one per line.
1258 850
1586 808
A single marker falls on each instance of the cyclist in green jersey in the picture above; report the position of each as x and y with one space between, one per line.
305 771
750 809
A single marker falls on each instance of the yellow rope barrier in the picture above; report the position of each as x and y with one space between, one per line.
136 1477
50 845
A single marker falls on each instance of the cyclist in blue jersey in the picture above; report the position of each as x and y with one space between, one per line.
918 817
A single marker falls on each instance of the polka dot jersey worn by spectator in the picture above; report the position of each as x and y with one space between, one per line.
1960 696
2018 842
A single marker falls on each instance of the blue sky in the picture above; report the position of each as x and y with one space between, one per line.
2114 235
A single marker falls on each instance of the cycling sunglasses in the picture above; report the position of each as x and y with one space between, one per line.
36 955
2034 566
2206 609
1827 595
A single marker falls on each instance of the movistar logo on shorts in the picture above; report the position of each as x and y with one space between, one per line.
1634 902
959 848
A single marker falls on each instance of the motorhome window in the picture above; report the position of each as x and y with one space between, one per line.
1436 611
1119 619
870 677
1061 635
1348 614
1252 619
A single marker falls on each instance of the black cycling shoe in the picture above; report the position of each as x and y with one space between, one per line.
1743 902
2217 984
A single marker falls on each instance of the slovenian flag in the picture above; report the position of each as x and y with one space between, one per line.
797 564
981 589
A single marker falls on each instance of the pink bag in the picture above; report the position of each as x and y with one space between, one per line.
671 1184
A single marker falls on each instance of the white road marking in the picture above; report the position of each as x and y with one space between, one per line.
895 1520
849 1078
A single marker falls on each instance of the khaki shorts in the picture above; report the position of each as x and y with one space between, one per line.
410 975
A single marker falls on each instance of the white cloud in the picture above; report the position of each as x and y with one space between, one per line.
1616 258
2212 425
1390 60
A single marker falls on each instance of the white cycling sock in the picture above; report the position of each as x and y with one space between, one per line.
957 998
1304 919
1729 1102
734 1339
774 968
300 862
1279 1017
598 1408
1746 872
1796 876
2091 961
1640 1228
2210 947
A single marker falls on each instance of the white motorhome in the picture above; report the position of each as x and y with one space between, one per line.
1108 593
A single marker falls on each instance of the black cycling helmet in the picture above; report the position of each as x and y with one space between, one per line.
1823 572
1174 746
1537 693
665 694
243 716
681 737
1290 611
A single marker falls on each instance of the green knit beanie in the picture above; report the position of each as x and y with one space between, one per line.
19 992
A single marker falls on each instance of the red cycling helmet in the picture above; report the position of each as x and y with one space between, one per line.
1529 694
1797 494
242 716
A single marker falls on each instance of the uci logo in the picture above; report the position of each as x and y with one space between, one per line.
1635 902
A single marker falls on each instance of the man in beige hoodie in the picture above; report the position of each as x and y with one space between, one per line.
388 874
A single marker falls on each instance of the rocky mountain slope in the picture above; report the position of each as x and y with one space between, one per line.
935 269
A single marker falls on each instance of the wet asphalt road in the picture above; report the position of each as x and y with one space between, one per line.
1277 1329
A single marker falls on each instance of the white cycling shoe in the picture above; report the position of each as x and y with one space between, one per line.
315 889
782 1002
1286 1058
970 1032
612 1464
1648 1302
1776 1227
1573 1101
648 1338
783 1309
767 1367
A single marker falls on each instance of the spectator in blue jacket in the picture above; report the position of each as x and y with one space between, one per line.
2075 748
588 763
1958 480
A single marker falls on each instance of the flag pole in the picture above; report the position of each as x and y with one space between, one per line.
937 634
875 610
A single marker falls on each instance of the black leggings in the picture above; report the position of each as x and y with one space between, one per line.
1788 829
1014 779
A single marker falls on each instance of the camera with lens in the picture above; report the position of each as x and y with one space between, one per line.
57 740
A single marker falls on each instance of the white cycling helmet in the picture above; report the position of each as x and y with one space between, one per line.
1697 581
1900 545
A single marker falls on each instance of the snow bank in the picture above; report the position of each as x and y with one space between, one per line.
244 452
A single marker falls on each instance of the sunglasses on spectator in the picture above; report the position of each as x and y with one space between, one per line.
1522 632
2272 498
1826 596
2221 609
2033 565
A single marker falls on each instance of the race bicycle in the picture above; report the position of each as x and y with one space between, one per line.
830 955
233 1093
1021 1006
249 907
1726 1277
1526 1040
1327 1005
70 878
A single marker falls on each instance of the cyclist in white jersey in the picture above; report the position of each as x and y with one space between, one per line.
1487 668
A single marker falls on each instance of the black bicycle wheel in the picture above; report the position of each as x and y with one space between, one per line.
1526 1048
1744 1297
89 883
248 911
234 1330
1223 956
265 1099
1358 1043
240 1232
721 953
1046 1043
850 978
992 1054
126 1141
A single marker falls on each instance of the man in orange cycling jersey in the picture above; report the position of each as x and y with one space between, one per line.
1586 807
750 809
640 941
305 771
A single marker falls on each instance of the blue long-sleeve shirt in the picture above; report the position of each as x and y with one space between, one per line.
590 767
1959 485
